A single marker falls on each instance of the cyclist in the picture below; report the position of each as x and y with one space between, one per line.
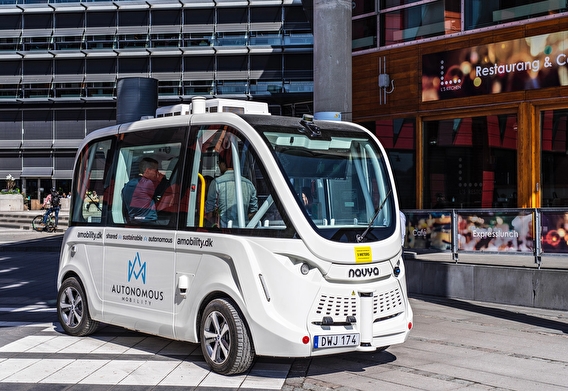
52 203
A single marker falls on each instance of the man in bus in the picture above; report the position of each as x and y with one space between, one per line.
141 194
221 202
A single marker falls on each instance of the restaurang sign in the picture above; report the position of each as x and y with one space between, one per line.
521 64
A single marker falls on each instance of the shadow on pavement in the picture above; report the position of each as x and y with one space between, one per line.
50 243
346 362
499 313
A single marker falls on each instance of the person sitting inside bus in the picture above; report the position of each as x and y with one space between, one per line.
221 201
141 194
308 201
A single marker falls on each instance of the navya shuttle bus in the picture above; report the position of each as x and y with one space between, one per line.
315 268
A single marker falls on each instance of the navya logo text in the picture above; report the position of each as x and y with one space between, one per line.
364 272
137 269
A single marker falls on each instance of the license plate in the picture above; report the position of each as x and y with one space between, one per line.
335 341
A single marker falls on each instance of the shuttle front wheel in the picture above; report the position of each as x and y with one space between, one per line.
225 340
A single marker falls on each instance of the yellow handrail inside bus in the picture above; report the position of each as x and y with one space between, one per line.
201 199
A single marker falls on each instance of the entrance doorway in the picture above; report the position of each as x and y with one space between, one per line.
36 190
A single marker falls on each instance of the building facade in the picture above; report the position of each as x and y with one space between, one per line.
60 62
468 97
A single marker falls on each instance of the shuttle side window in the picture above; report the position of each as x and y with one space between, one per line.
147 176
91 182
222 157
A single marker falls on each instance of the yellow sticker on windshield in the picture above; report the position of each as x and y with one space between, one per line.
363 254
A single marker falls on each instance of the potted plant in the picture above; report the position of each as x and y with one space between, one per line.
11 198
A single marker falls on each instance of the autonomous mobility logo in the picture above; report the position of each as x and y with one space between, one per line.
137 269
133 294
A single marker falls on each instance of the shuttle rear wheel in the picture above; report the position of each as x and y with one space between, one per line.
72 309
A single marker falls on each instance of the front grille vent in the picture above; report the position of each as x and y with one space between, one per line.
387 301
336 306
339 307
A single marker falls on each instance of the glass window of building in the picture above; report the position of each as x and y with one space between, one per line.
101 19
132 41
198 39
408 20
169 88
298 65
36 43
63 171
70 67
231 38
364 33
168 17
166 40
295 19
69 125
41 21
10 44
362 7
11 125
266 74
232 63
403 21
10 72
425 20
554 159
482 13
100 42
69 20
194 16
399 139
68 90
166 65
199 66
10 22
266 15
100 118
471 162
198 87
232 15
137 67
133 18
11 163
103 66
38 125
68 42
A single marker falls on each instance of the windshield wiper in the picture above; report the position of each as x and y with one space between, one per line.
361 237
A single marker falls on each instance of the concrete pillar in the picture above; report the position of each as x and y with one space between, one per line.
332 57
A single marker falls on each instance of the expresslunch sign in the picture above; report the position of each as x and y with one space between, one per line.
517 65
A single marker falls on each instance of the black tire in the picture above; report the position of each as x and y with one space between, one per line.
73 310
225 341
50 226
37 223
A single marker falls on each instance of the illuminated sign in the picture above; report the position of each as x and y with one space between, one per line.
521 64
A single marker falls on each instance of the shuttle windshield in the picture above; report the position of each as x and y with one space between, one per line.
338 175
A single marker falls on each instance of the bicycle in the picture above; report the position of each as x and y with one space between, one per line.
37 223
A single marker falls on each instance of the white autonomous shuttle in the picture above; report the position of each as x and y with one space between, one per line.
300 256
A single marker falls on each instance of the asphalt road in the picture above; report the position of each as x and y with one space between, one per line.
455 345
